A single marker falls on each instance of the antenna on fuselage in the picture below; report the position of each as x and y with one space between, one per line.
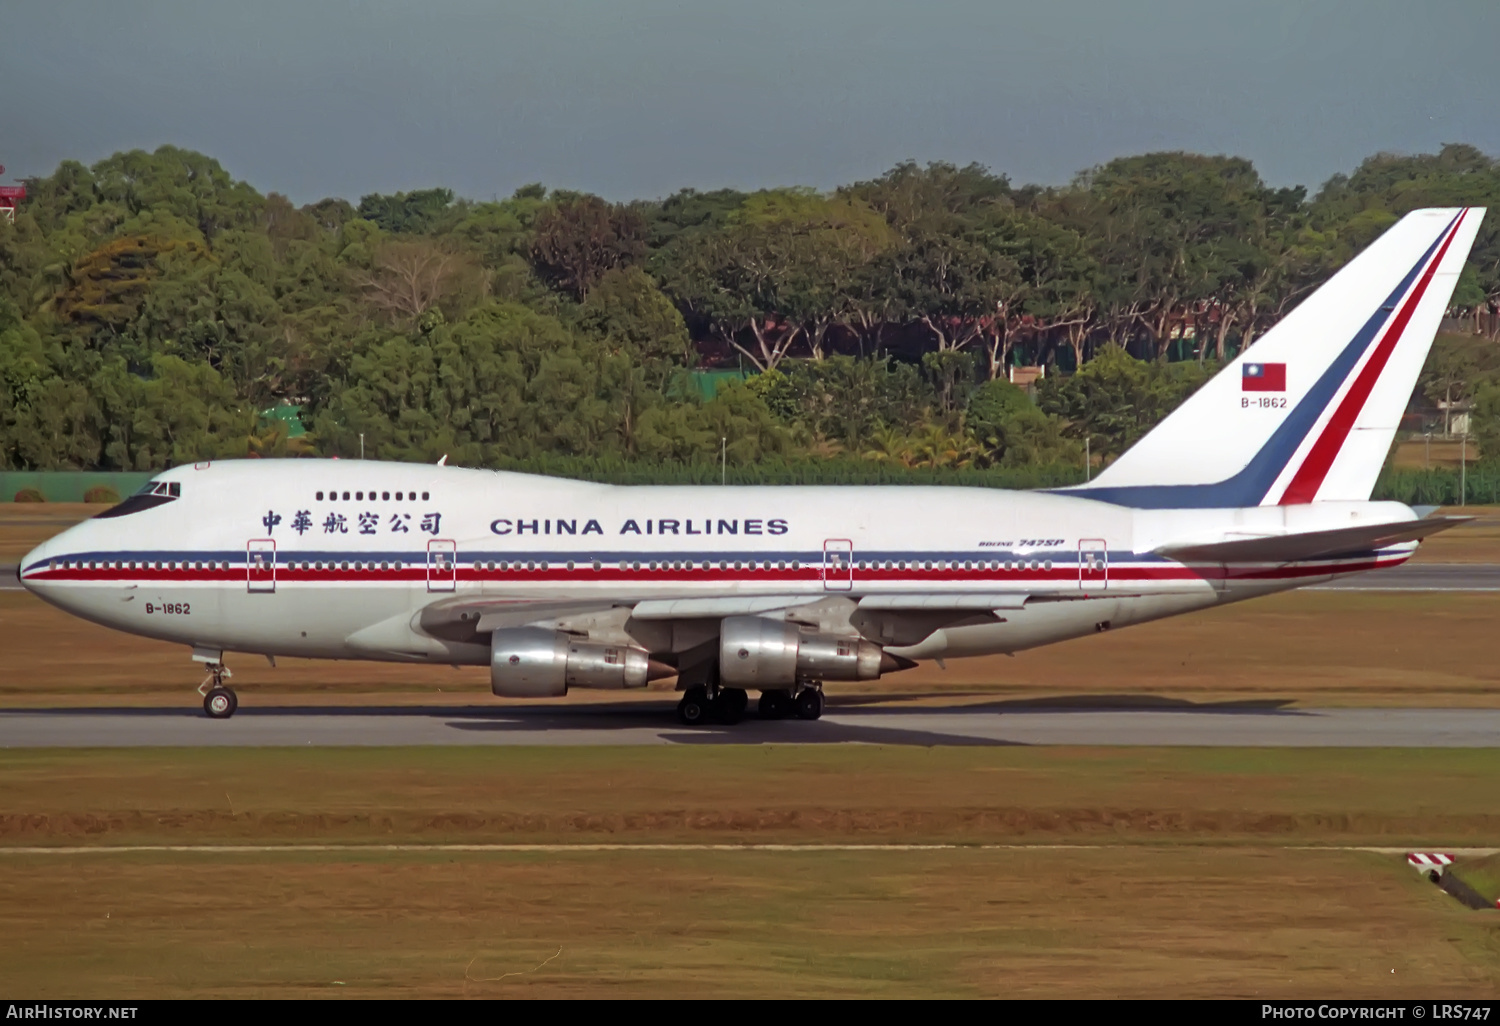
444 461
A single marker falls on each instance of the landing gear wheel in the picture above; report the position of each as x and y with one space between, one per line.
809 704
694 707
730 706
775 705
220 703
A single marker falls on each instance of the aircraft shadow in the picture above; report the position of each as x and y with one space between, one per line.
654 718
749 731
614 715
875 704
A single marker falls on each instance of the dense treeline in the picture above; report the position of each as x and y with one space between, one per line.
152 309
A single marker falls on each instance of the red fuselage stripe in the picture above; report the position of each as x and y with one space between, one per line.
1063 574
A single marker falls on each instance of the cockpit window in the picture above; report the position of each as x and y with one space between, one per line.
153 493
172 489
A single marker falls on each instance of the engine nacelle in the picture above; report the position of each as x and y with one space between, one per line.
756 652
533 662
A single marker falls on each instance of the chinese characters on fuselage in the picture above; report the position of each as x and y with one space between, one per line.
364 523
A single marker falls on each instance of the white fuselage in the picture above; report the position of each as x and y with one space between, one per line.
353 560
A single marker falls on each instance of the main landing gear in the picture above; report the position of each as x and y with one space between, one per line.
219 702
806 703
703 704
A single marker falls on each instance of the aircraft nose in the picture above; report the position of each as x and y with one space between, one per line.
33 563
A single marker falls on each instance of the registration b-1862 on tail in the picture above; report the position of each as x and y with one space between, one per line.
1260 482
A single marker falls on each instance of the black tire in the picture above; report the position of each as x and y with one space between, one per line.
729 707
220 703
809 704
694 709
775 705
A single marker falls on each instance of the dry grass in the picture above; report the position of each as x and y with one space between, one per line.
1136 923
736 794
1478 542
1198 895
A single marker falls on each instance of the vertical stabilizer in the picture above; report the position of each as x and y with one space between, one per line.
1309 411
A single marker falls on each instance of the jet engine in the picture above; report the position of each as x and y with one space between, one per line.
756 652
533 662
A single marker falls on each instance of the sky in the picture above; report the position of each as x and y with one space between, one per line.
638 98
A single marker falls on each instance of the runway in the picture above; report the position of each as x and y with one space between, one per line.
1409 577
1243 724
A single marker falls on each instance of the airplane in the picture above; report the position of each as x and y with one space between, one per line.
1258 483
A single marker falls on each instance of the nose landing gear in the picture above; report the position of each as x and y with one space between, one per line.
219 702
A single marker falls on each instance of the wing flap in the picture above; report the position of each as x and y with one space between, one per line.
705 608
1290 548
955 600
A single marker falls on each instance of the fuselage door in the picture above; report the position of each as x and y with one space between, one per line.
442 565
838 564
1093 565
260 561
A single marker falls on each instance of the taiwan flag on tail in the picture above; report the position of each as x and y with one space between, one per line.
1263 377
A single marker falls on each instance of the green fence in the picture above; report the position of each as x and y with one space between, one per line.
1480 486
70 485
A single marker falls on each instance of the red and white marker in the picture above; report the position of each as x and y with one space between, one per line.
1429 861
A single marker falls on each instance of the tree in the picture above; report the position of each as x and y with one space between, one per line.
689 210
781 269
179 183
410 277
411 213
952 285
844 400
937 198
1169 232
633 317
108 286
1008 423
578 239
1115 398
183 412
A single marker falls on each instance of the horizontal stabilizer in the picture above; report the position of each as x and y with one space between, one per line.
1290 548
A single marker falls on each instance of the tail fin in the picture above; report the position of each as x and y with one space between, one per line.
1309 411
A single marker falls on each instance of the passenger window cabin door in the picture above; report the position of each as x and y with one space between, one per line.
838 564
1093 565
260 565
442 565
